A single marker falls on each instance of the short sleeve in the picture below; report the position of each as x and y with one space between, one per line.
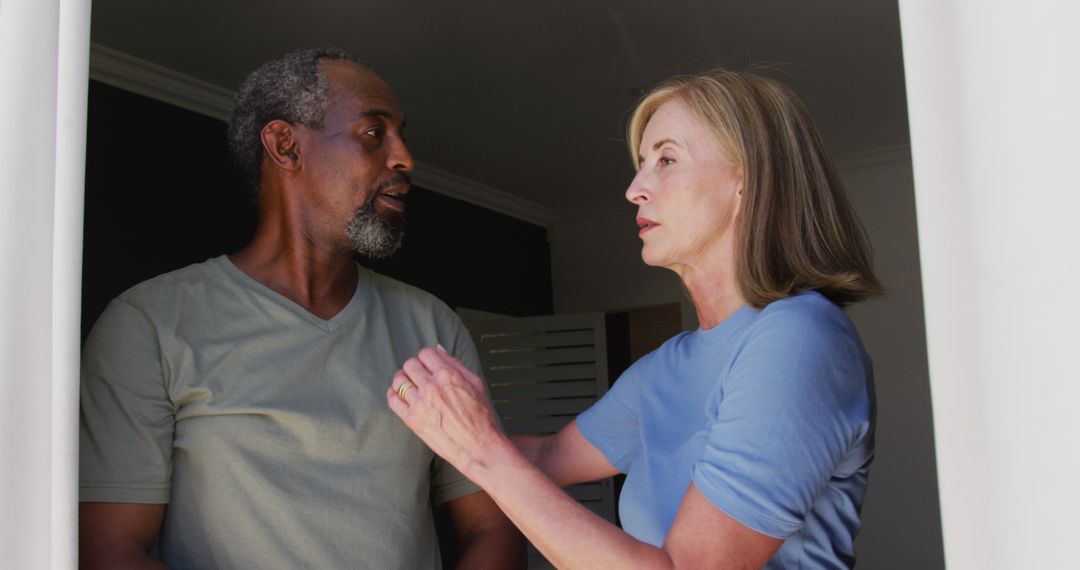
126 416
447 483
796 401
612 425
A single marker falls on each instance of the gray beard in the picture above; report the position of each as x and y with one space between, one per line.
372 236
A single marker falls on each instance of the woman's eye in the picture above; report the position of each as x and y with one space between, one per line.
665 161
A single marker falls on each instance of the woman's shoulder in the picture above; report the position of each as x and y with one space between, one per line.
805 350
671 348
806 327
802 313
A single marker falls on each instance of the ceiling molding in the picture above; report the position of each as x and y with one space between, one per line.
121 70
139 76
467 190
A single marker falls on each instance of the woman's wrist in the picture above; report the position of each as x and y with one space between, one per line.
494 457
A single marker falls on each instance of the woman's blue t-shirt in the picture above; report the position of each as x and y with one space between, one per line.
770 414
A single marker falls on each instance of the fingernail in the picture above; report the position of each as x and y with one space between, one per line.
440 348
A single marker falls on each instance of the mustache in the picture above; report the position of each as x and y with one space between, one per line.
396 179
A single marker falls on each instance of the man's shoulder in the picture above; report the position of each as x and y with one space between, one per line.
402 294
170 286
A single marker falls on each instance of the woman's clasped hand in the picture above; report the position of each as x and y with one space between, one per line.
447 406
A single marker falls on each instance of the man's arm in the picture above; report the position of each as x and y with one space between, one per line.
118 535
486 538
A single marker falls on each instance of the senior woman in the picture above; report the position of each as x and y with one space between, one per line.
746 443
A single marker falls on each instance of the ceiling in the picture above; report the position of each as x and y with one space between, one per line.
531 98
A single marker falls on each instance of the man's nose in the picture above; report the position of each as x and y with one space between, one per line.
400 159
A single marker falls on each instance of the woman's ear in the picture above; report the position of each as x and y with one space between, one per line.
739 194
279 142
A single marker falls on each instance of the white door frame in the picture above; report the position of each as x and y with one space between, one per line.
991 87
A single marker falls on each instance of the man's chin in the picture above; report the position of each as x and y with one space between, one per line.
374 237
394 224
379 245
378 253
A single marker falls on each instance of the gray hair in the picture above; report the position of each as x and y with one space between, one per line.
291 88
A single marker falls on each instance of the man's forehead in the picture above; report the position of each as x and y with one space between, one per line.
359 89
349 77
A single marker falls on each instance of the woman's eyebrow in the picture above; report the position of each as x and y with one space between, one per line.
662 142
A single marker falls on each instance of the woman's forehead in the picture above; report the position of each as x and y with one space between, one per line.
672 122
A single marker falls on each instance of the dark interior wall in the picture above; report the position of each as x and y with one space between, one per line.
161 194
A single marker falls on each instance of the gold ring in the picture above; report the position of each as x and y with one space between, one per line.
404 388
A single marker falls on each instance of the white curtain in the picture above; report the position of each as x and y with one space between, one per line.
44 50
994 103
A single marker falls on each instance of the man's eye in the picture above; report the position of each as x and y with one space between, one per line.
376 132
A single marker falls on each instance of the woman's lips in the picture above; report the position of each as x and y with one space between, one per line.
645 224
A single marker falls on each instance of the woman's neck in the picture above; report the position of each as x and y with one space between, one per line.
713 301
712 287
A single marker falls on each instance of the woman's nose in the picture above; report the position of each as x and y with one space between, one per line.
636 193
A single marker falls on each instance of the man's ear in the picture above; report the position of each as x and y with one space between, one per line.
279 142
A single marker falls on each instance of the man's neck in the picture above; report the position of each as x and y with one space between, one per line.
322 280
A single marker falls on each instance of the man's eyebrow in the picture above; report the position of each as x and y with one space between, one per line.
376 112
379 112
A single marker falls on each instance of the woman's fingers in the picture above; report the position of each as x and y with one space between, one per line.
445 405
402 384
433 359
442 369
454 362
446 359
416 371
401 389
396 404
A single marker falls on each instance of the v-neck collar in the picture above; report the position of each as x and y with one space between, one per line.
291 306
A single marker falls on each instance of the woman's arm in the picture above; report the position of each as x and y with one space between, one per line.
566 458
571 536
448 409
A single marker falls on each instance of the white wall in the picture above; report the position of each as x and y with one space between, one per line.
596 265
992 88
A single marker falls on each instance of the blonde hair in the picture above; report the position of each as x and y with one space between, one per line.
796 229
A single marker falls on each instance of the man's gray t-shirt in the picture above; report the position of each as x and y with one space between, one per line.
264 427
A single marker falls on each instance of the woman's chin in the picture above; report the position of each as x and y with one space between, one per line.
652 258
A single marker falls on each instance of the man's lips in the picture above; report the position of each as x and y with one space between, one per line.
645 224
393 197
391 202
